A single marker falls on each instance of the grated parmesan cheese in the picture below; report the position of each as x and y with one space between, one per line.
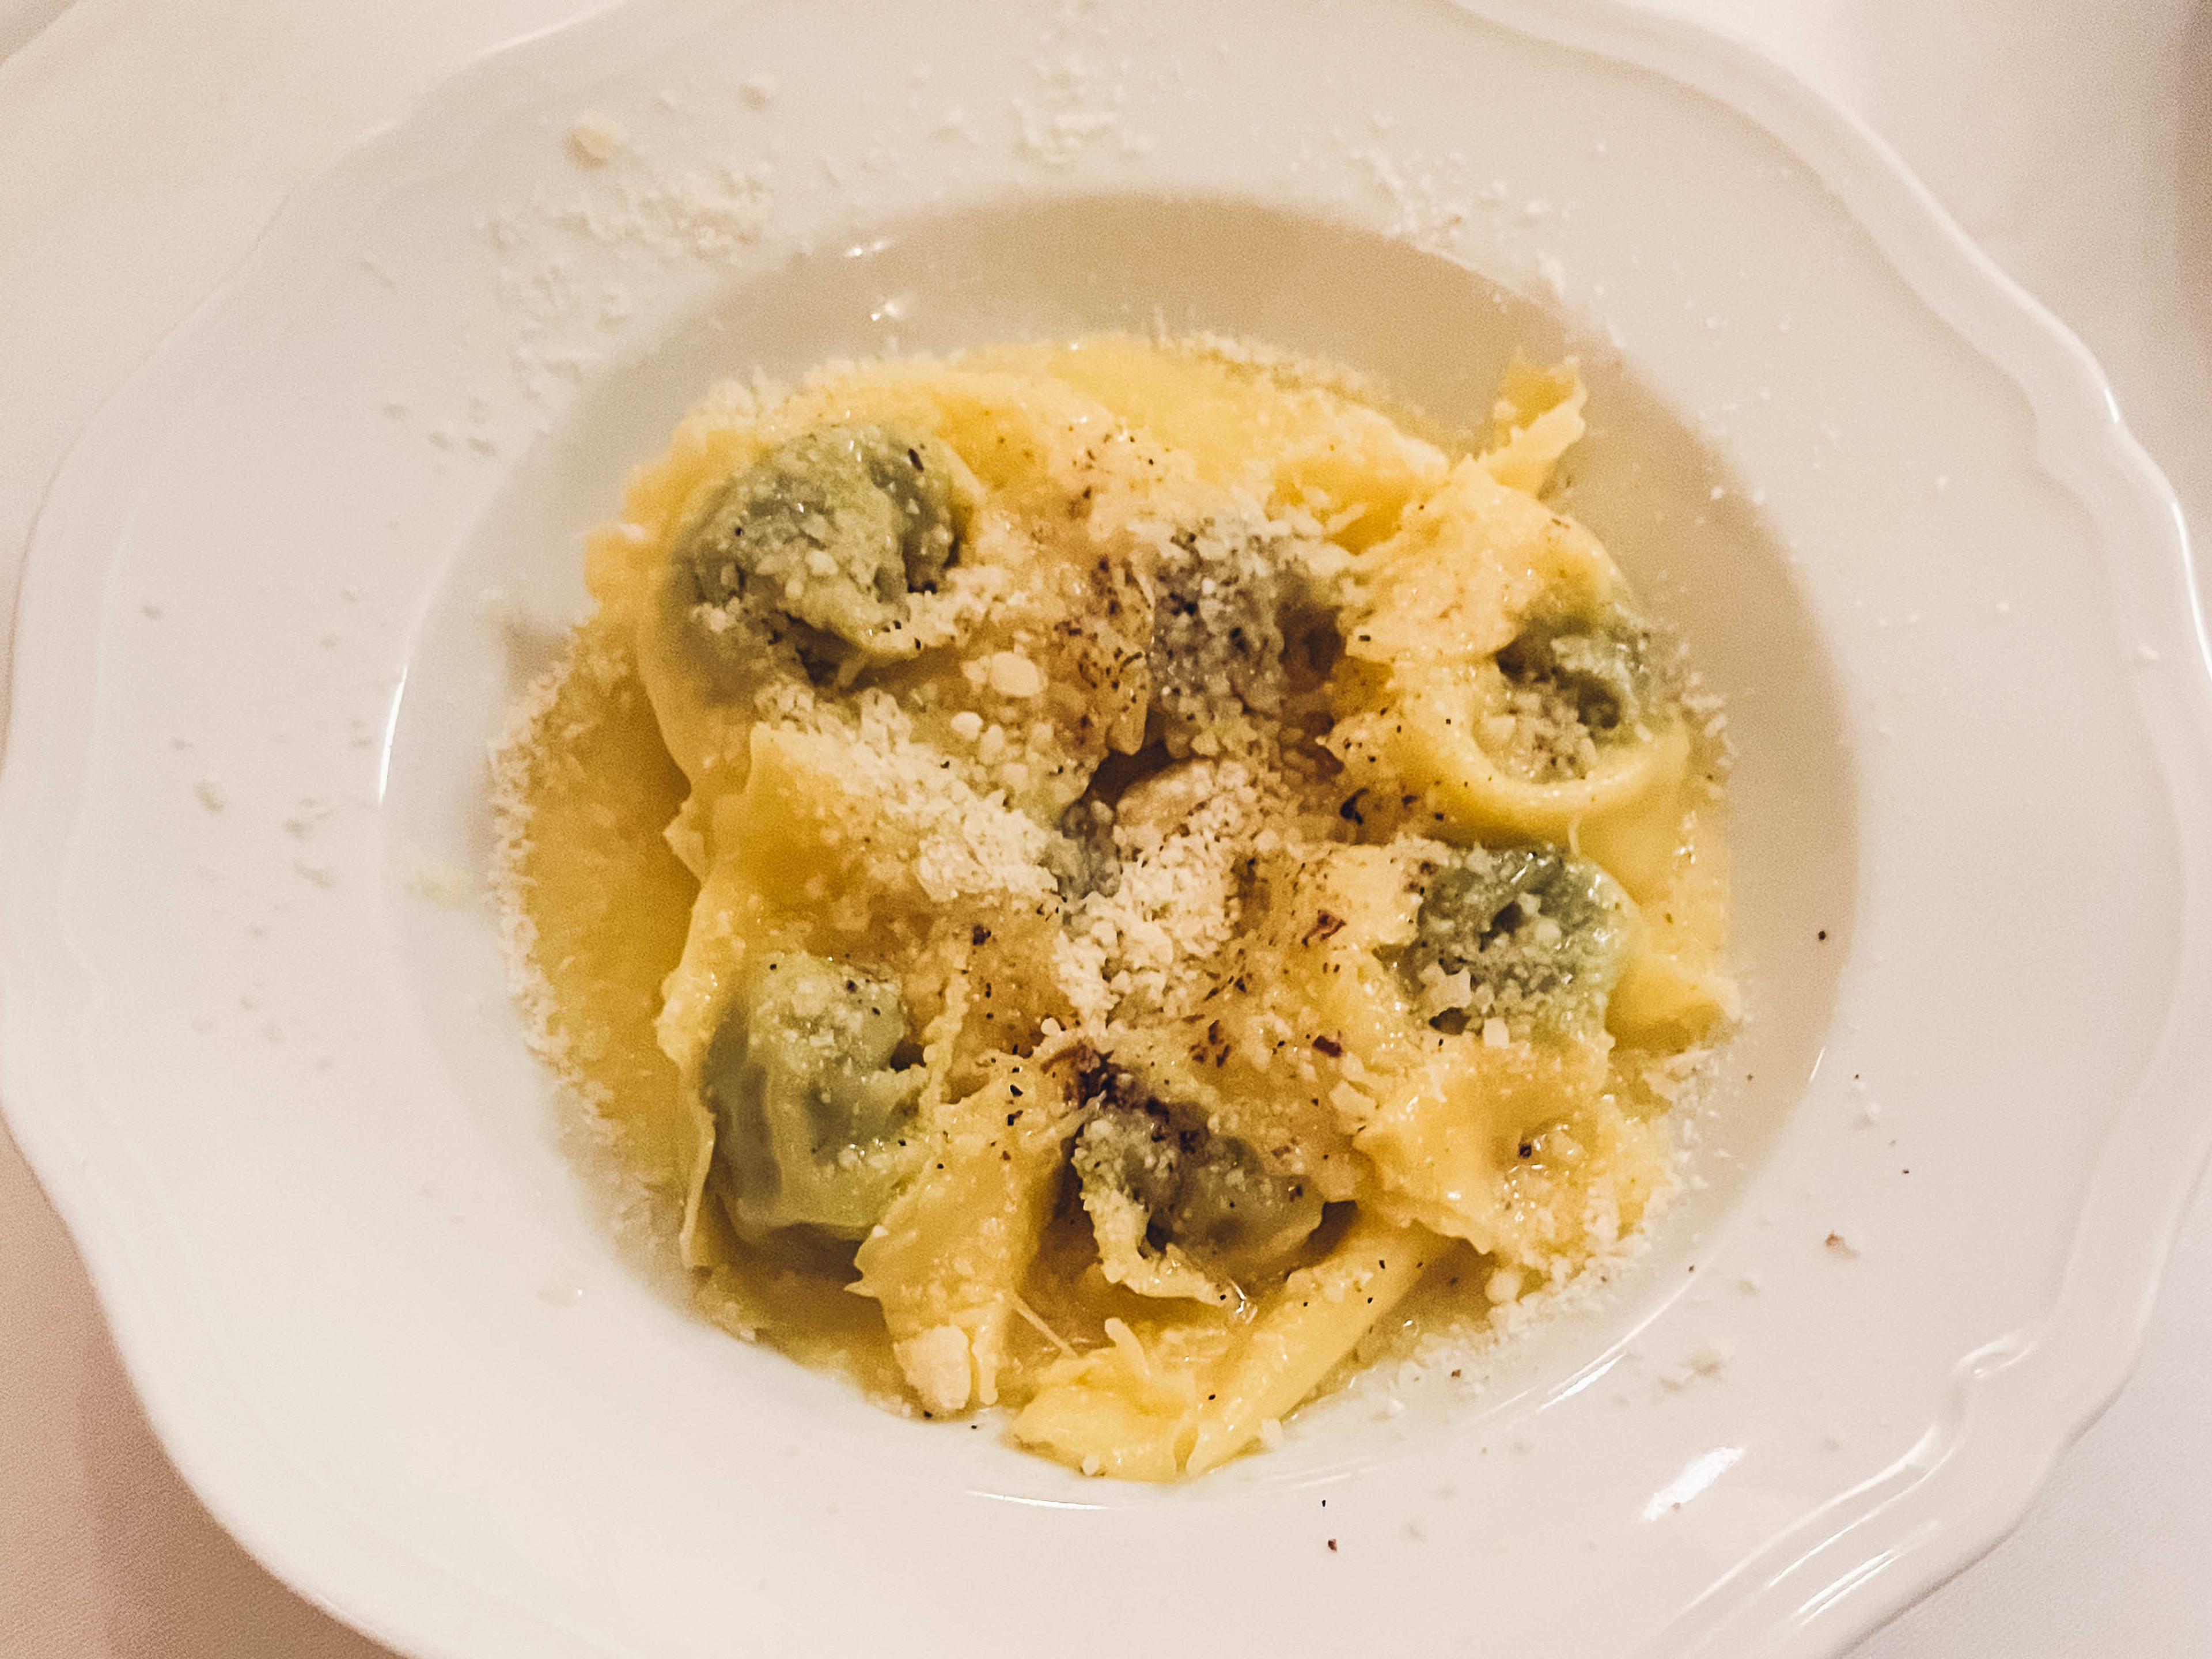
594 140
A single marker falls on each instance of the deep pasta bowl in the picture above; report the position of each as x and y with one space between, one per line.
383 1304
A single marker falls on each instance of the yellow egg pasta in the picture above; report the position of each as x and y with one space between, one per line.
1093 877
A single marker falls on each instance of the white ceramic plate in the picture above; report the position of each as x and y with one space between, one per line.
283 589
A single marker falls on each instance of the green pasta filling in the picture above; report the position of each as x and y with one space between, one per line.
812 1109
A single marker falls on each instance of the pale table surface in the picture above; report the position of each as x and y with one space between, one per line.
2072 137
